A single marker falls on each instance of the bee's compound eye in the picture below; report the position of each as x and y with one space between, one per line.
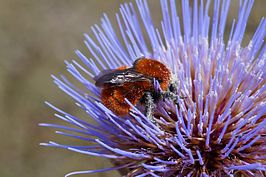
172 88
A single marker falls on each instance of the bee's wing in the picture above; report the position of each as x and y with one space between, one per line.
103 73
119 77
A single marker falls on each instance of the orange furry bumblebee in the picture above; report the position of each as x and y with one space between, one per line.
131 83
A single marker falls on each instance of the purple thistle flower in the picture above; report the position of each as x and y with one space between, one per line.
217 129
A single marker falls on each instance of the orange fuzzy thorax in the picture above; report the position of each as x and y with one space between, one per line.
155 69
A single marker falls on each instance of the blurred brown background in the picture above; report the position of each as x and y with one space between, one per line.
35 37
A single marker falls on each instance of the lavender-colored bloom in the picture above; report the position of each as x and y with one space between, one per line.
217 125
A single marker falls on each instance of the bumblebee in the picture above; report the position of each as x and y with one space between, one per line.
135 83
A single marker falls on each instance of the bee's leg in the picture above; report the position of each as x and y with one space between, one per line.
149 106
